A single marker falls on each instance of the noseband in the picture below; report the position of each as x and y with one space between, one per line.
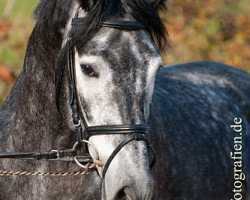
137 132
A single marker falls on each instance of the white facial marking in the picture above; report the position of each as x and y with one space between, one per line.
105 146
102 108
97 91
102 38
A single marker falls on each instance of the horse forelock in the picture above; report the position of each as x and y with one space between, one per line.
89 27
107 9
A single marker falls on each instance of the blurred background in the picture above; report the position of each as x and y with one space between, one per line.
198 30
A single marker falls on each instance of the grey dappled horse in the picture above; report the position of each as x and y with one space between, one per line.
193 108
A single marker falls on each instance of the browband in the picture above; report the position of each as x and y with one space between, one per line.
118 24
128 25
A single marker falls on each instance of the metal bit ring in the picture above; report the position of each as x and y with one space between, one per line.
88 165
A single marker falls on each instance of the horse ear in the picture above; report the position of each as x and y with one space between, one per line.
87 5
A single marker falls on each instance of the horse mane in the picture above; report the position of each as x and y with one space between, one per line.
53 13
146 12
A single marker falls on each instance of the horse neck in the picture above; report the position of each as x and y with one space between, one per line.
37 124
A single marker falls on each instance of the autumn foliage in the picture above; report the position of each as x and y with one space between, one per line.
209 30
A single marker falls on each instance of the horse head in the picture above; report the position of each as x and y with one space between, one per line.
114 49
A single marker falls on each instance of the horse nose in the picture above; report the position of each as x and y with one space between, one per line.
129 193
128 176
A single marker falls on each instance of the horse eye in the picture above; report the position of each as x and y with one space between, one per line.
88 70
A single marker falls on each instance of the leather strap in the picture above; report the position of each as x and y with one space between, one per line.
135 136
127 25
55 155
117 129
118 24
52 154
73 92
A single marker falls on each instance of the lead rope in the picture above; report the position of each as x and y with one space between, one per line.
87 170
50 174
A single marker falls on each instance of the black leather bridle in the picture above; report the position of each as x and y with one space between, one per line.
138 132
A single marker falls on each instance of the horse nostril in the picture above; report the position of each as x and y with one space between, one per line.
126 193
129 192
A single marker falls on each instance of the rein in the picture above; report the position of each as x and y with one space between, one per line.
137 132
